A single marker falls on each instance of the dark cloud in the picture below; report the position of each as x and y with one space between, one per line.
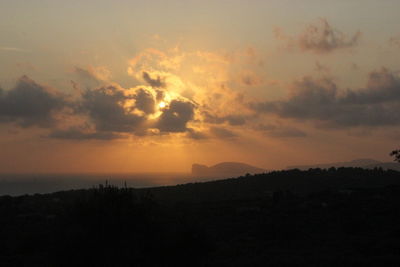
76 133
234 120
354 66
250 79
156 83
197 135
93 75
222 133
112 110
30 104
321 100
280 131
321 38
321 68
176 116
106 109
145 101
85 74
395 40
160 95
288 132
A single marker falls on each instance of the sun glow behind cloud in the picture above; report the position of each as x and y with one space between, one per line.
133 89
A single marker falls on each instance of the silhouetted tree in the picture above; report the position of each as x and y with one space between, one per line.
396 155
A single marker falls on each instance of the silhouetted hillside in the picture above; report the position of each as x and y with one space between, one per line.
335 217
357 163
259 185
224 170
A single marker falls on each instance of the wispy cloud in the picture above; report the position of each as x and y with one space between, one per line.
13 49
320 38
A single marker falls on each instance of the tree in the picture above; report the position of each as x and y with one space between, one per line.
396 155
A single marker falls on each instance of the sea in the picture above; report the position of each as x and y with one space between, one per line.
28 184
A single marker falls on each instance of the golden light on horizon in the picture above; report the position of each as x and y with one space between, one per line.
221 94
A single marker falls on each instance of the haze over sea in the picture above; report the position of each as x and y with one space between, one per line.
20 184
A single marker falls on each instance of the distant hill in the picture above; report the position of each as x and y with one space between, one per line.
224 170
357 163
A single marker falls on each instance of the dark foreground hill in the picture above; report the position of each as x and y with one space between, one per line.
336 217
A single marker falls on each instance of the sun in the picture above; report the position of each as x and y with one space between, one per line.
162 104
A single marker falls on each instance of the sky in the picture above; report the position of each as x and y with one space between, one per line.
154 86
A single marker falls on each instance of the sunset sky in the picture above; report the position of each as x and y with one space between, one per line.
137 86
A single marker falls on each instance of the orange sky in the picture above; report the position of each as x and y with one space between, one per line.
268 83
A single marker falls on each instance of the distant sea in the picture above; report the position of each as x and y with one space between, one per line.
21 184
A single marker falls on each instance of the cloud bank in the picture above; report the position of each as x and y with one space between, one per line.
322 101
198 103
30 104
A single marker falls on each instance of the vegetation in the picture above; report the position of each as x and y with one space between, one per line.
332 217
396 155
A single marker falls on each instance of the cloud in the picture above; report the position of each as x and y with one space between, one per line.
77 133
175 117
157 83
13 49
222 133
233 119
145 101
280 131
249 78
113 112
196 135
177 87
94 74
321 68
109 109
395 40
117 110
320 38
375 105
354 66
30 104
